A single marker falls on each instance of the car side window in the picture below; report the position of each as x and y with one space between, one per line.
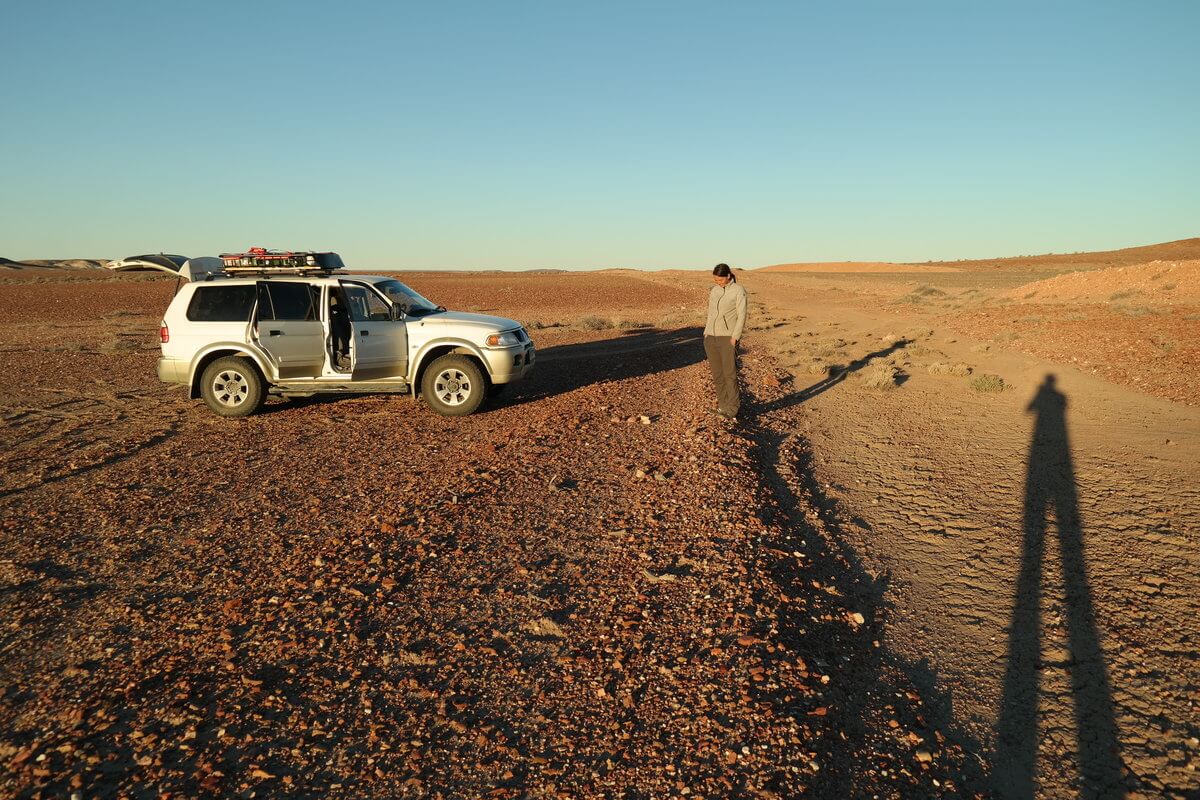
285 301
365 305
221 303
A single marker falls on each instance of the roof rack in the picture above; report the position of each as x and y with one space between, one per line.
260 261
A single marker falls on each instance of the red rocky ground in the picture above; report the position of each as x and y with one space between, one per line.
591 589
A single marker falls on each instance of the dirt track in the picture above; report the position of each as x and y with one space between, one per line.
1039 545
553 598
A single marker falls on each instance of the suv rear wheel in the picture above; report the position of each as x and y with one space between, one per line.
232 387
453 386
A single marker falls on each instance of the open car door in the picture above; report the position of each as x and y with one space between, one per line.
288 329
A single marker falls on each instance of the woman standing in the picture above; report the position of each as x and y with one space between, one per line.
726 317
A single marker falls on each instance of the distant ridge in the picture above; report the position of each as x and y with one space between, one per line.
1179 250
859 266
54 263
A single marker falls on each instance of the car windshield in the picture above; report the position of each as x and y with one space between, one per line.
414 304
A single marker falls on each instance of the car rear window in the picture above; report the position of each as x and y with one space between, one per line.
284 301
221 303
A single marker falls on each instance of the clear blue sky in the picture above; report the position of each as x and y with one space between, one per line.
561 134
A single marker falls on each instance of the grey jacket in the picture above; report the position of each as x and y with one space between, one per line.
726 311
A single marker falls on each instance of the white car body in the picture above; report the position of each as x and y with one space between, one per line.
394 336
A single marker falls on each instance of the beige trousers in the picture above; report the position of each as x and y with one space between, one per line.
722 360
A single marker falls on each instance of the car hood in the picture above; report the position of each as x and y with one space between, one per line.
467 320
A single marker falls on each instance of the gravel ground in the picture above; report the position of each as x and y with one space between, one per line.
592 589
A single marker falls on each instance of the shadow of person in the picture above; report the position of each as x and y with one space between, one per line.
1050 486
836 375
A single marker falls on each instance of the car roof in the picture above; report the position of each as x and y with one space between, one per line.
319 278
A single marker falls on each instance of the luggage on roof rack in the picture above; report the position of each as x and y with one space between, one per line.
261 260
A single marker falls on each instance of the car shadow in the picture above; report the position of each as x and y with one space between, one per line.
631 354
565 368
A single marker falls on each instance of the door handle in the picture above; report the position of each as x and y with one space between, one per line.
275 333
366 333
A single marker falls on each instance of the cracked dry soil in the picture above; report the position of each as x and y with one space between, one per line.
559 598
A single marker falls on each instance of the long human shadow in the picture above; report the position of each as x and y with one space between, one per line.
1050 485
836 375
874 682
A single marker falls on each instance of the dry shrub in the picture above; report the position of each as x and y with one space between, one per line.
958 370
595 324
627 325
880 376
120 345
1136 311
989 383
921 294
818 368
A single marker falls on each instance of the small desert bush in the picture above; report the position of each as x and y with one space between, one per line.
1125 294
959 370
595 324
921 294
880 376
1163 344
1166 287
627 325
120 346
988 383
818 368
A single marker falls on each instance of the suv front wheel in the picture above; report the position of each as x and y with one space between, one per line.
453 386
232 387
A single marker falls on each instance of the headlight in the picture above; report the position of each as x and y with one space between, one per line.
507 339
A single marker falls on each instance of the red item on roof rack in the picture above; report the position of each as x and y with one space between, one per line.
260 258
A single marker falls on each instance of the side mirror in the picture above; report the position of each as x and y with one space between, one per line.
398 312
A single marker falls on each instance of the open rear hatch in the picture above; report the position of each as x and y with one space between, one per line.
189 269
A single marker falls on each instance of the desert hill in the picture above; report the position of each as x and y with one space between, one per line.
54 263
858 266
1156 283
1180 250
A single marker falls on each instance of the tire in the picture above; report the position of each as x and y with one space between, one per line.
232 387
453 386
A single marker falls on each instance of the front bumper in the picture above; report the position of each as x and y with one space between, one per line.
510 364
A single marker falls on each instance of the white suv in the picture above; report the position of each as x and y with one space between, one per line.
232 339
